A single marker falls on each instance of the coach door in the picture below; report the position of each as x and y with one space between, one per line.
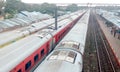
52 44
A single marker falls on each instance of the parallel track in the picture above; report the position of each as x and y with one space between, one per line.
97 40
105 62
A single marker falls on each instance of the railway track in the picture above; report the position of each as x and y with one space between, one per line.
105 63
105 58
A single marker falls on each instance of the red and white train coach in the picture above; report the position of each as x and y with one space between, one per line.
67 55
15 35
23 55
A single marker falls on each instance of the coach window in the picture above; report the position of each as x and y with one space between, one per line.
59 36
42 52
19 70
36 58
27 66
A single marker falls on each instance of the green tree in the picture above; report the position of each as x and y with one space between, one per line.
13 6
72 7
47 8
1 6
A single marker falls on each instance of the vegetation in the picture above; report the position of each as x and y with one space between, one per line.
72 7
1 6
15 6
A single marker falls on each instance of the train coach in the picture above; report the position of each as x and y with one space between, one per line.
23 55
10 37
67 55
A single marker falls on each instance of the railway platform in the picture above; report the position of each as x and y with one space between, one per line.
113 41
